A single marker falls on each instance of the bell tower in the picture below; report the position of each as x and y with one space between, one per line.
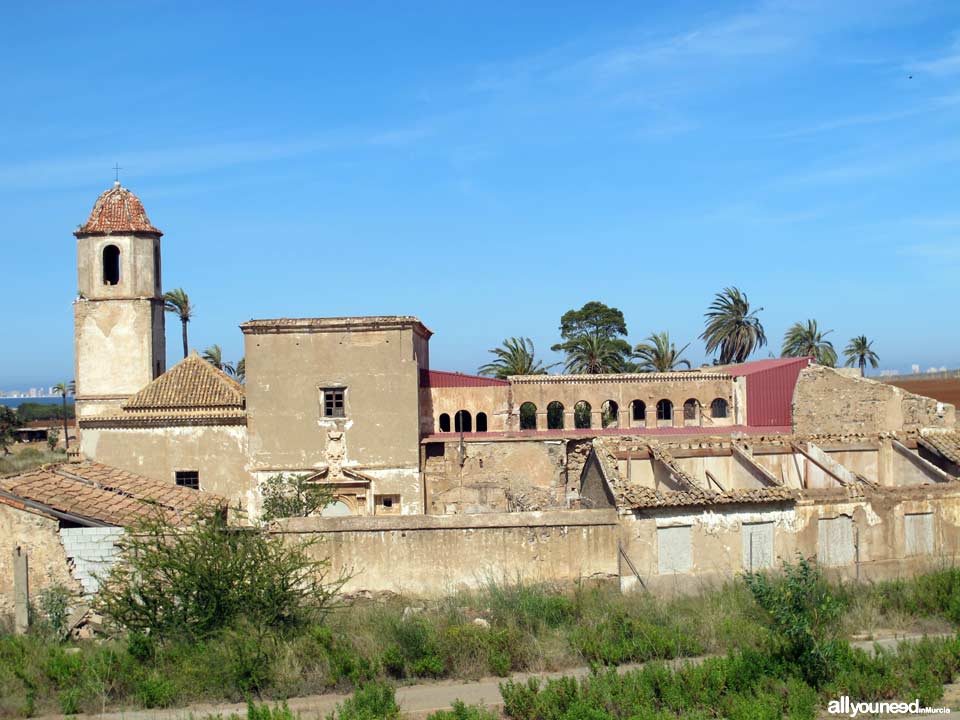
118 314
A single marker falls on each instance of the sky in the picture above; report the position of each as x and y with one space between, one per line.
488 166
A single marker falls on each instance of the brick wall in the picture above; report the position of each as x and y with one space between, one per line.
91 551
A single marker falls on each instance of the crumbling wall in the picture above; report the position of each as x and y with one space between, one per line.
496 476
829 402
47 563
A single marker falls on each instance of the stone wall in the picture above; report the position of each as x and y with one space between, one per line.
492 401
436 555
829 402
495 476
47 563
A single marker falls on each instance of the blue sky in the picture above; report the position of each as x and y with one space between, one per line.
487 166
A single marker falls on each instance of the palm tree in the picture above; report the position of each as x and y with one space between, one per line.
240 370
658 354
733 327
64 389
594 355
178 302
515 357
806 340
214 356
859 352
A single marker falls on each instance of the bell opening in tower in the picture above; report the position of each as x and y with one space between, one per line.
111 265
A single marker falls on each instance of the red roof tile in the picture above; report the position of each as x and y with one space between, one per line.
117 210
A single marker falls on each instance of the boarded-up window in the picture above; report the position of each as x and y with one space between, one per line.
673 549
918 528
835 541
757 546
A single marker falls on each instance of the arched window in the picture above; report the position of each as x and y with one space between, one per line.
444 423
528 416
664 410
610 414
481 422
555 415
690 410
718 408
638 411
582 413
111 265
462 421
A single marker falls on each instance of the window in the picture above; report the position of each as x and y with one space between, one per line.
757 546
111 265
639 411
333 402
690 409
918 529
444 422
463 421
582 415
481 422
610 414
664 410
718 408
188 479
835 541
674 554
386 504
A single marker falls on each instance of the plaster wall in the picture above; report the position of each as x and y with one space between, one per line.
492 400
217 452
436 555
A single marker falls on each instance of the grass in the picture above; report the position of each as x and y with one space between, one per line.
496 630
28 459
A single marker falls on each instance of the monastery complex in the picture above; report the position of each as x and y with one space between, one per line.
656 480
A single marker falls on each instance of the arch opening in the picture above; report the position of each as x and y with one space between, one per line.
638 412
444 422
664 410
610 414
111 265
582 415
691 411
528 416
481 422
463 421
719 408
555 415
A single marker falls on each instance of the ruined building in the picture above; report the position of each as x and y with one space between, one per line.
656 478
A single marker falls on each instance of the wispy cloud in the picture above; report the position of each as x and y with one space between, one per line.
198 157
946 64
938 104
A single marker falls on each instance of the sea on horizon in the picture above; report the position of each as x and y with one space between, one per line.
15 402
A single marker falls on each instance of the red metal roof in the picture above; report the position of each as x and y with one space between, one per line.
443 379
770 385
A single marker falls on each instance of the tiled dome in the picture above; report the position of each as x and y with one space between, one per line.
117 211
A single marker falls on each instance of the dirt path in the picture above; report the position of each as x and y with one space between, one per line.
417 701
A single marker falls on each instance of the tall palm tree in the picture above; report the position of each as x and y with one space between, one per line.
64 389
178 302
594 355
806 340
733 327
658 354
515 357
214 356
240 370
859 351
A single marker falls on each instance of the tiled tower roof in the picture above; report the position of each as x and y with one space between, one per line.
191 385
117 210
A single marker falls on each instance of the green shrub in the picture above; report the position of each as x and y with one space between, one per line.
54 611
804 616
198 580
155 691
265 712
460 711
621 637
373 701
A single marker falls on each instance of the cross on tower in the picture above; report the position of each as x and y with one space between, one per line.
116 170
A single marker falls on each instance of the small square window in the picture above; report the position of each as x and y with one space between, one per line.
387 504
333 402
188 479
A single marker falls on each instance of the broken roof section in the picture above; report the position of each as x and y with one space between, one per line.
91 494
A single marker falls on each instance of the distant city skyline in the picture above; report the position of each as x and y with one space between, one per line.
488 167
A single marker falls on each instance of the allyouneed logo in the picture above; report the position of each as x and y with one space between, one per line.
845 706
